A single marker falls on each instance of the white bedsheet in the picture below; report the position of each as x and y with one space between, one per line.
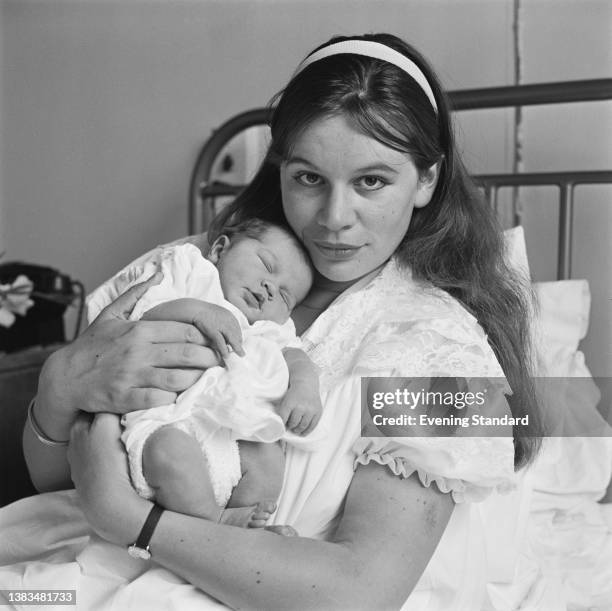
566 558
563 564
56 549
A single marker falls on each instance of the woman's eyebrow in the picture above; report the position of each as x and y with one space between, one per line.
377 167
300 160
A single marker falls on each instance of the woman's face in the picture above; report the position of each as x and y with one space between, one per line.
349 197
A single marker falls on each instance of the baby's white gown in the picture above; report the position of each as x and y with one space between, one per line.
227 403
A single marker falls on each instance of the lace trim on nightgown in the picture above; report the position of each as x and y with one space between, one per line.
365 331
475 466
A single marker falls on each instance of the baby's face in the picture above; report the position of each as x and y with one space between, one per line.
264 278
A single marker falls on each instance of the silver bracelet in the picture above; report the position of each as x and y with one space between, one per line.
40 435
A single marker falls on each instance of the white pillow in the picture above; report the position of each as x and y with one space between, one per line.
559 325
577 467
516 251
562 318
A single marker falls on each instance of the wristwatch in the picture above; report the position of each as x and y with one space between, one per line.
140 549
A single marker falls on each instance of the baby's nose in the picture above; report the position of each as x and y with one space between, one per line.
270 288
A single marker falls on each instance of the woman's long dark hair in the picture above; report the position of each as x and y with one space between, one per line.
454 242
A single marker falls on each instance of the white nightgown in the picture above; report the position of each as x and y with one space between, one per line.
386 326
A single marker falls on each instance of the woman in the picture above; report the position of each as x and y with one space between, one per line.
363 167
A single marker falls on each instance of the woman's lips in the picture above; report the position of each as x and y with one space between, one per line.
337 250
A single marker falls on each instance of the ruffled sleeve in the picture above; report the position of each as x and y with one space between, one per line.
468 467
438 338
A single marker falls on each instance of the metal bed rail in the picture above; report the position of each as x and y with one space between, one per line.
532 95
565 181
203 192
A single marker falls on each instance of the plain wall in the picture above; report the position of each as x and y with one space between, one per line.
565 40
2 223
105 103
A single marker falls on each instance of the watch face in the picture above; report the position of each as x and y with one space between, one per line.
138 552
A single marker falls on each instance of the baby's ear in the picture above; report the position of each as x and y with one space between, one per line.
219 245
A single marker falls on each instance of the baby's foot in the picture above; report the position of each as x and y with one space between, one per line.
254 516
282 529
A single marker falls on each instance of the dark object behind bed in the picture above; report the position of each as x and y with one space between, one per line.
18 382
43 324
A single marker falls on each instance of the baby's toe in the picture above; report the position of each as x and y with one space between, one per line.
267 506
262 514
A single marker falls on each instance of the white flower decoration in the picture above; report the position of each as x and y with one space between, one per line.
15 299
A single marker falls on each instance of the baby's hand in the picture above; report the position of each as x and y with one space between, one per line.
301 407
216 323
221 327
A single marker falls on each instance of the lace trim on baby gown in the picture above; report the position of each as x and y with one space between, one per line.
220 451
396 326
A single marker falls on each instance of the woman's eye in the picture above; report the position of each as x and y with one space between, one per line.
371 182
308 179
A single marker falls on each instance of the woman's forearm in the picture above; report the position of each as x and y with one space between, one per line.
389 530
47 464
255 569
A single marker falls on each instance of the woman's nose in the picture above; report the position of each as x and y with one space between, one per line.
337 211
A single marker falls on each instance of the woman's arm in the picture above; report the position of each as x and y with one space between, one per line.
114 366
388 533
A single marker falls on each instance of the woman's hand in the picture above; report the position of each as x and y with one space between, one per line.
119 366
115 366
99 469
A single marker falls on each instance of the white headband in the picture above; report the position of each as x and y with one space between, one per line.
375 50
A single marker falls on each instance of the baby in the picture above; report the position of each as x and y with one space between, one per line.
240 296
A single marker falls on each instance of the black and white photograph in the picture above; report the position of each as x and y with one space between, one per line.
306 305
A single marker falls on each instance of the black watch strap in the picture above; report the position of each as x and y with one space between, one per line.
140 549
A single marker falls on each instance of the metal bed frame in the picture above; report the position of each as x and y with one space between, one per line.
203 192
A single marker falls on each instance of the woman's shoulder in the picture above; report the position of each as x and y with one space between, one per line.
417 298
409 303
418 329
395 325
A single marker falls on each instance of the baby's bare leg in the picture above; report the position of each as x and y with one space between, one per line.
253 500
175 467
263 467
